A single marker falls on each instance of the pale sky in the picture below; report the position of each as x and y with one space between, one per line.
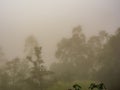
51 20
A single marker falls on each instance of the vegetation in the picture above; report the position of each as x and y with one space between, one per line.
80 60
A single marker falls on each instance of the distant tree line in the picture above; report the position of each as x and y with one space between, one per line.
79 58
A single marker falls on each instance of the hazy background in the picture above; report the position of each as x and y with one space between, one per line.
50 20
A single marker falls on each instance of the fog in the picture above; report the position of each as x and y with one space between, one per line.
51 20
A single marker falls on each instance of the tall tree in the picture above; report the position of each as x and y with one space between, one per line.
110 60
72 56
95 46
38 70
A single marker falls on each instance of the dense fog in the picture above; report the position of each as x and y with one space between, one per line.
75 41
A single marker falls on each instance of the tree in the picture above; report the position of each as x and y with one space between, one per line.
95 46
13 75
4 80
110 60
25 74
78 56
38 70
72 57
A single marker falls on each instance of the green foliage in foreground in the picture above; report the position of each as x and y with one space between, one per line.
60 85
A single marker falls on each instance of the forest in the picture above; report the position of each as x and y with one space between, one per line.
79 60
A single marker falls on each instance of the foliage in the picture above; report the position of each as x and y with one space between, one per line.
25 74
110 59
62 85
78 57
80 60
13 75
38 70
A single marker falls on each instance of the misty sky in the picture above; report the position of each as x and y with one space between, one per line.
50 20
